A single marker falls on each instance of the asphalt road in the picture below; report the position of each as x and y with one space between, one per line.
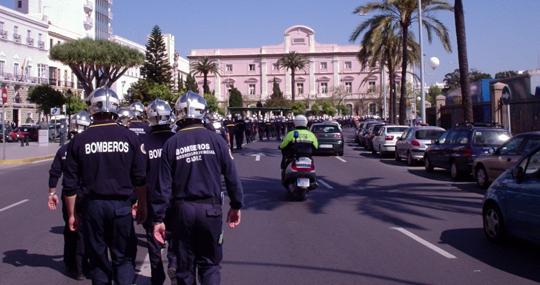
372 221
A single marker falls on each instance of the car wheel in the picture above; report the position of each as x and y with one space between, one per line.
396 155
454 171
427 164
481 177
493 224
410 159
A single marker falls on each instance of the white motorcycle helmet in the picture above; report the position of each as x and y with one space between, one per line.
300 121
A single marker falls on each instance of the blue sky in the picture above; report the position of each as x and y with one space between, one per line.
502 34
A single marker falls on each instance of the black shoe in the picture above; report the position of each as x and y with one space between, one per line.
172 275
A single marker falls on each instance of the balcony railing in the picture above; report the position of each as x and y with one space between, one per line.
88 23
17 37
30 41
41 44
4 34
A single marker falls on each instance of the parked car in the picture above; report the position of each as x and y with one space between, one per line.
370 134
330 137
512 203
413 143
385 139
456 149
488 167
24 131
363 129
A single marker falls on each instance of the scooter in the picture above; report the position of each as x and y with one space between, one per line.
299 176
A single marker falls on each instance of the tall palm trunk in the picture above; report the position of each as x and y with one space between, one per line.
393 97
206 89
463 62
293 83
404 61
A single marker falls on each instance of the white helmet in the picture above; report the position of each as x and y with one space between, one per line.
138 109
80 121
190 106
103 100
300 121
159 113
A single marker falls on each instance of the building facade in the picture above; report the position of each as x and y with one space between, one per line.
333 72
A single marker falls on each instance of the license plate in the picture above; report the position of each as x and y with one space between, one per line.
302 182
325 146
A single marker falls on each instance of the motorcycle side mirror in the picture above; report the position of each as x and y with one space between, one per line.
518 174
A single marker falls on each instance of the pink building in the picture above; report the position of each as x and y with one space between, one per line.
333 73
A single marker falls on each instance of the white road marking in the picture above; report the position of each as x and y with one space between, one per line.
257 156
325 184
425 243
340 159
13 205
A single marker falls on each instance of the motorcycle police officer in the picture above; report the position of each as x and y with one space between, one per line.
105 163
73 241
159 118
192 164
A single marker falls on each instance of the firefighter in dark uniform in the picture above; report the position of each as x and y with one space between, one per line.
268 128
212 123
192 164
260 125
240 128
249 129
159 117
74 257
231 129
125 115
137 124
105 163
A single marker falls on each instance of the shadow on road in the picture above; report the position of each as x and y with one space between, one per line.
515 257
21 257
59 230
328 270
442 175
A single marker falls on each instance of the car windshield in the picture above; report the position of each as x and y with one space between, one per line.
428 134
325 129
490 138
396 129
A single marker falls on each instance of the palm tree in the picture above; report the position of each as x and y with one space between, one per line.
203 67
402 14
293 61
463 61
381 45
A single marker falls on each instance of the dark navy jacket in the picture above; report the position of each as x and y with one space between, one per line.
106 161
192 163
152 146
58 165
139 128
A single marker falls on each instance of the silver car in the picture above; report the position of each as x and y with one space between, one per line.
413 143
385 139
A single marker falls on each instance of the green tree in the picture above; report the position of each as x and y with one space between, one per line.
156 67
452 79
293 62
400 15
381 46
506 74
74 103
298 108
328 108
146 91
96 63
211 102
432 94
316 108
235 98
181 83
276 98
204 66
191 84
45 97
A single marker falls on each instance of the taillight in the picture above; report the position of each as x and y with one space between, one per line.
303 169
337 135
415 143
389 138
466 151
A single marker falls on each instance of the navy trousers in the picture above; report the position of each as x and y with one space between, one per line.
74 254
197 239
109 228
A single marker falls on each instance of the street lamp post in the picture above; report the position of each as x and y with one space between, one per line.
422 93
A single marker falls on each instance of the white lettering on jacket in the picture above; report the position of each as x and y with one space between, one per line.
155 153
104 147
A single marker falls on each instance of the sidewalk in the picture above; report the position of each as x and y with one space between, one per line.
15 154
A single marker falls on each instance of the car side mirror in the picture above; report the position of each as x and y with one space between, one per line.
518 173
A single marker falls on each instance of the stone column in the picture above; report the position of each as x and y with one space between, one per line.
440 101
264 81
335 66
311 83
497 114
217 84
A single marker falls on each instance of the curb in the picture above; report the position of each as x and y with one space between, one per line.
25 160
